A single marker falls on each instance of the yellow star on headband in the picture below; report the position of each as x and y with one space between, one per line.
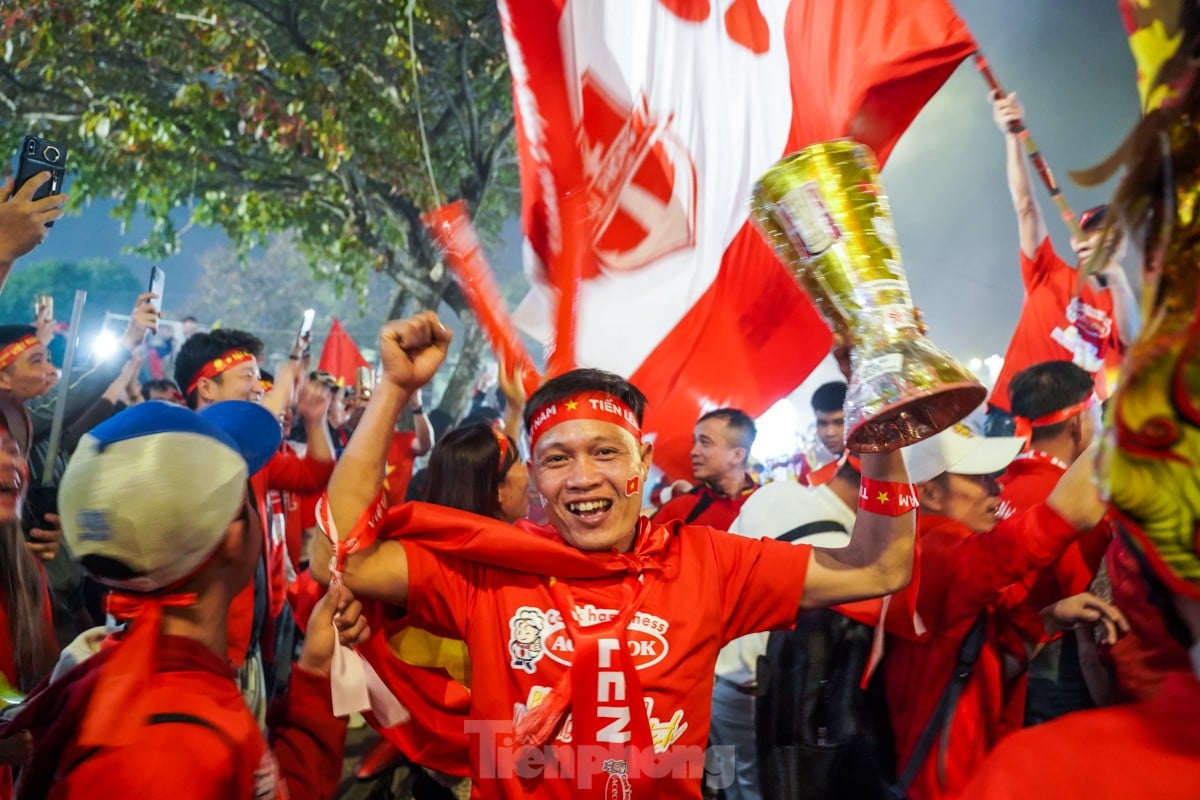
572 405
883 497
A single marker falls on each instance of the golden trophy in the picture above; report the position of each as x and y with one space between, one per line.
825 213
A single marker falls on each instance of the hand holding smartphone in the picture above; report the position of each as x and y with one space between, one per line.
41 155
300 349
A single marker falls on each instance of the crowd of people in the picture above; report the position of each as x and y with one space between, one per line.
196 568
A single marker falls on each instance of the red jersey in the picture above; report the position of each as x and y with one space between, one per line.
703 506
1055 325
1146 749
714 587
1029 480
199 741
962 575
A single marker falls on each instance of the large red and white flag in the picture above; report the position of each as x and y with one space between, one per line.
642 128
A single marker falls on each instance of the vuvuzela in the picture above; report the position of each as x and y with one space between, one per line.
825 213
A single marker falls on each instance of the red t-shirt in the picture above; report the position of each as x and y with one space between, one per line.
962 574
721 586
1124 751
1057 326
1029 480
717 512
198 741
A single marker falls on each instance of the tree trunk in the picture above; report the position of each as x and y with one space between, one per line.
456 398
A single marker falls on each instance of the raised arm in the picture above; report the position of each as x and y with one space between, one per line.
411 351
1031 226
878 559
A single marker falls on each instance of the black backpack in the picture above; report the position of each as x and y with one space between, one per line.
819 734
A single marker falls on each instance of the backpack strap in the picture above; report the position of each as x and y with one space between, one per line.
811 529
706 500
968 654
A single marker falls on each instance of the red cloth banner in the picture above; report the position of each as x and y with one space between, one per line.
450 226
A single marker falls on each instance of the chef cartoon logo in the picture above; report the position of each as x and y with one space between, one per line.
525 638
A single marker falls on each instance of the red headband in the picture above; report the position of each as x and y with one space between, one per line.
218 365
600 406
13 351
1025 426
502 441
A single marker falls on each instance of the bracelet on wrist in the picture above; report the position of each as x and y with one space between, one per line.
418 410
886 497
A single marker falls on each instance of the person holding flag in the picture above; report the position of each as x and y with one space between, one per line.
1090 323
595 636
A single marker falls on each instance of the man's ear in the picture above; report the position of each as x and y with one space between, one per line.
5 379
204 390
741 454
647 451
930 495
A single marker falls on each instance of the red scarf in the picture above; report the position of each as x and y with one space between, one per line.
601 688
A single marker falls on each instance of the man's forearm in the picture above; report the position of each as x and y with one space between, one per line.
320 445
1125 308
358 476
1031 227
880 543
86 387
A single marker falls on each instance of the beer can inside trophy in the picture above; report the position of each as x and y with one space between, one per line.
825 213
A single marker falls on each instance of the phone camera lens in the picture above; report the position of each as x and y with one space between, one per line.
31 147
51 153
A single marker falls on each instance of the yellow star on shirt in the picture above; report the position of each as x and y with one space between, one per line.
572 405
883 497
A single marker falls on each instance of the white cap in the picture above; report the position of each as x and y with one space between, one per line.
957 449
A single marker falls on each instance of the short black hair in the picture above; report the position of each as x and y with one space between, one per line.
585 380
1046 388
160 385
14 333
829 397
202 348
738 421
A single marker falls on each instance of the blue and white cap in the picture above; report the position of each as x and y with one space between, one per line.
149 493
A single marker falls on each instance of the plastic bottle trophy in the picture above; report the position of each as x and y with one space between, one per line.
825 213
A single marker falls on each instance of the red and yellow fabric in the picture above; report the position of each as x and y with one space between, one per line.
12 352
223 363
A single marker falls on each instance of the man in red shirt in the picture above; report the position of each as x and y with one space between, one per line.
1089 327
1057 412
720 454
156 713
223 365
966 560
822 464
596 636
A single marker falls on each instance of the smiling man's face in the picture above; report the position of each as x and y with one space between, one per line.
583 468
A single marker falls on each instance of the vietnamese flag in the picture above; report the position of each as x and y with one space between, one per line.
340 356
641 130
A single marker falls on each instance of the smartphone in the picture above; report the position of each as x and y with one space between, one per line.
158 283
39 501
43 304
306 323
364 382
303 335
40 155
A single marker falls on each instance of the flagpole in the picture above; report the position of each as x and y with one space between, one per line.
1035 156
